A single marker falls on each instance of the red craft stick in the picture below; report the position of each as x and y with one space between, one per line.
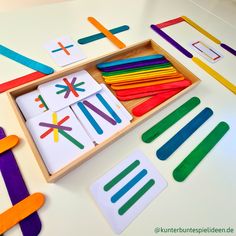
21 80
141 95
153 102
170 22
154 88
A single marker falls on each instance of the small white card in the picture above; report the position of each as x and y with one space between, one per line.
126 190
60 138
102 115
31 104
64 51
67 90
207 52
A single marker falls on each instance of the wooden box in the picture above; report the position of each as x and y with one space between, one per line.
140 49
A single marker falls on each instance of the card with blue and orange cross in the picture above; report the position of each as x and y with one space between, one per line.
69 89
64 51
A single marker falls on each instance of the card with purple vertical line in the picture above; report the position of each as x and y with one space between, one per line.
67 90
102 115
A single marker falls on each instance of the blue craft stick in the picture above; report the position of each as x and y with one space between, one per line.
129 60
98 36
25 60
128 186
59 49
179 138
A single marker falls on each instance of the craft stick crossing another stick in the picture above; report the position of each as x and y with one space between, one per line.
107 33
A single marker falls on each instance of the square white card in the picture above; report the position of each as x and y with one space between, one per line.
102 115
59 137
67 90
127 189
64 51
31 104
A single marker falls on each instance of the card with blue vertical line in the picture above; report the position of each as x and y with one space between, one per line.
127 189
101 115
64 51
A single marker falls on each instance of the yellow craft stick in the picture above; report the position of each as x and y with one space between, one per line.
151 75
107 33
147 80
8 143
201 30
20 211
215 74
121 87
55 131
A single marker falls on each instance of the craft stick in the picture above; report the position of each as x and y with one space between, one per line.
215 74
129 60
25 60
106 32
55 131
17 189
98 36
141 95
153 102
185 168
166 150
138 85
138 69
8 143
179 84
141 74
168 121
135 65
171 41
21 80
170 22
201 30
228 48
20 211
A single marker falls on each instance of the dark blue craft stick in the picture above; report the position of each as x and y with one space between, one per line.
228 48
171 41
135 65
179 138
17 190
98 36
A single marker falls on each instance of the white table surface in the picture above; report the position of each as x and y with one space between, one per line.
205 199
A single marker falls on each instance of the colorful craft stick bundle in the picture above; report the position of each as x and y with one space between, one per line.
144 76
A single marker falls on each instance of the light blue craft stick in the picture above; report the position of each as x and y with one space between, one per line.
98 36
129 60
25 60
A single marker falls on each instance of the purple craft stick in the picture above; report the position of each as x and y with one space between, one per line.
228 48
135 65
99 112
17 190
55 126
68 91
171 41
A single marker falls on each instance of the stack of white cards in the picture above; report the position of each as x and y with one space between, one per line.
68 116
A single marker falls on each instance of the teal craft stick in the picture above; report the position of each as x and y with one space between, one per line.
129 60
25 60
98 36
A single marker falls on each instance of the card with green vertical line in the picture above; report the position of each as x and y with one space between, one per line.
127 189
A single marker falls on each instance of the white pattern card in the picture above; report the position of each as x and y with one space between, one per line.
127 189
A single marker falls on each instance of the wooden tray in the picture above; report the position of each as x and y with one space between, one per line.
140 49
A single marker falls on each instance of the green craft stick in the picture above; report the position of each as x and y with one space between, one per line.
70 138
185 168
143 68
170 120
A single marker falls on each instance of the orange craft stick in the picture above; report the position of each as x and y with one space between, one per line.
138 85
20 211
8 143
107 33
